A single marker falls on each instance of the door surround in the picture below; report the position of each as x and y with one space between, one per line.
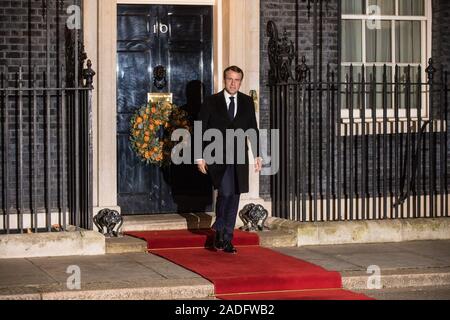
100 37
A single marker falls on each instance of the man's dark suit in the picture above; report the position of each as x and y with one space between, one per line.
231 180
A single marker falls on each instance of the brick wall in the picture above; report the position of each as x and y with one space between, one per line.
23 35
440 32
23 39
282 12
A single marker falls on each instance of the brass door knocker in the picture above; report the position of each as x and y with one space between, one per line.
159 77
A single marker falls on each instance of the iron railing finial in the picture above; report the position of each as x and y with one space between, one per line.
88 75
430 70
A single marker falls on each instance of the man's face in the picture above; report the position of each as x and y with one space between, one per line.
232 82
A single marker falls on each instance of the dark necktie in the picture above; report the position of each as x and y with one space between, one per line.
231 108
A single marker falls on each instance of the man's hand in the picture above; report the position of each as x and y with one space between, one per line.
258 164
202 166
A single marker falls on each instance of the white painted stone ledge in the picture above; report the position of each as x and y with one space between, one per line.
374 231
53 244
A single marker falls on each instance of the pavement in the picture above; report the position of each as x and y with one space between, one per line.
417 270
406 270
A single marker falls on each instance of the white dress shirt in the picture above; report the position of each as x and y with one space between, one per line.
228 101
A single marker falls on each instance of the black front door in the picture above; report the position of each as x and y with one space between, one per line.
179 38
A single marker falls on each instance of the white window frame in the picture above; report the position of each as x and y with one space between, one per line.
426 53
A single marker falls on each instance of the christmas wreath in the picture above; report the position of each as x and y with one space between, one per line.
151 129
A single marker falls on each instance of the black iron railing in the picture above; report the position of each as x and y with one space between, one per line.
46 156
45 129
354 148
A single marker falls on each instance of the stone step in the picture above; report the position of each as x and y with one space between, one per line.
398 278
125 244
412 293
167 222
277 238
170 289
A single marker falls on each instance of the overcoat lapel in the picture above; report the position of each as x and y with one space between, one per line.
223 106
240 107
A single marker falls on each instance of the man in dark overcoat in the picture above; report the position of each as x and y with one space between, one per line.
230 111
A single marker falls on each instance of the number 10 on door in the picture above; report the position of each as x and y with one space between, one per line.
163 28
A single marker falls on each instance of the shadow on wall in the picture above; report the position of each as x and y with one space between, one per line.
191 190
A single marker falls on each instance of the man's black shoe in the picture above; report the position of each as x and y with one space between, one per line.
228 247
218 240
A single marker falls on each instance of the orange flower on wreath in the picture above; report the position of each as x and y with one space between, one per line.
150 144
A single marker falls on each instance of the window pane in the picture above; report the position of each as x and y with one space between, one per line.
414 74
385 7
411 7
351 41
375 95
353 6
378 43
408 46
413 101
346 88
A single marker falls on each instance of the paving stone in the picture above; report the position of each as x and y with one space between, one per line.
16 272
146 259
98 269
172 271
439 250
391 260
327 262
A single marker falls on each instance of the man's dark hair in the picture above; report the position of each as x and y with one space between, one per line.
234 69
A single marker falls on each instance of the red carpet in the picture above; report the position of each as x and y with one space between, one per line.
255 273
170 239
